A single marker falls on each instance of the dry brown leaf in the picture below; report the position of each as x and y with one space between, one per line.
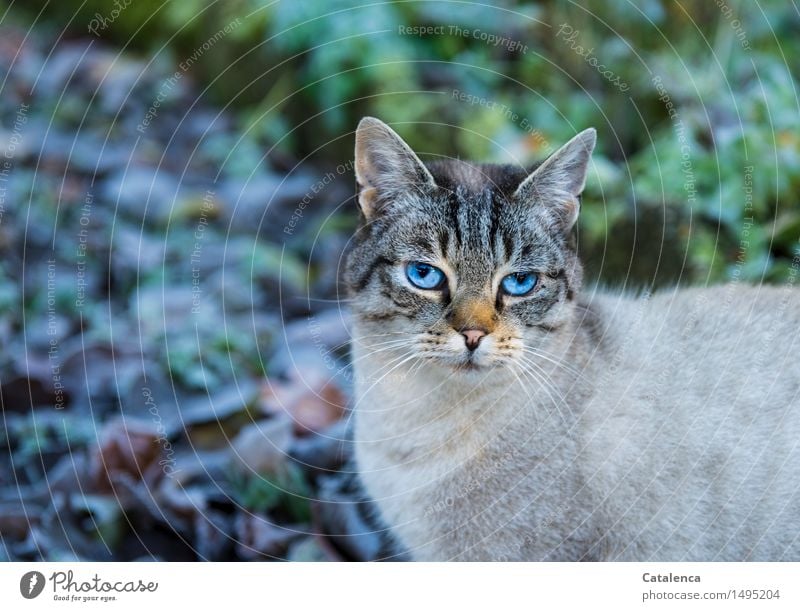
258 539
129 449
262 447
313 405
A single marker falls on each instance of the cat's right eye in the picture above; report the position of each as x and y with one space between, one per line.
425 276
519 284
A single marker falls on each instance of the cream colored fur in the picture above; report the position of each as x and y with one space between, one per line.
679 438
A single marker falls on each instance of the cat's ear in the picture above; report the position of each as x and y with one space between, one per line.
557 183
385 165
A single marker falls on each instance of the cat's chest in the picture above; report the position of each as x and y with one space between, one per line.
431 422
449 469
450 505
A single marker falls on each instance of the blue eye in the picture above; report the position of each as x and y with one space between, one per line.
520 283
425 276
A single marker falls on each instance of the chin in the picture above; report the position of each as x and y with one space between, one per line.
468 366
463 365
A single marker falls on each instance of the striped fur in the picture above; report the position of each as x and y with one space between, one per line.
470 219
584 426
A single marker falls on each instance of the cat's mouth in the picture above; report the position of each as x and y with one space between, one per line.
472 363
461 359
461 364
469 366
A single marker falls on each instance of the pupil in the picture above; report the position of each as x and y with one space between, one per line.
422 270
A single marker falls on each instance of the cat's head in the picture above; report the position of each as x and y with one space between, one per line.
467 265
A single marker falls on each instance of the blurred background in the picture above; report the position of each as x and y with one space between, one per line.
176 194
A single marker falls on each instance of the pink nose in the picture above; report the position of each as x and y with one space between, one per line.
473 337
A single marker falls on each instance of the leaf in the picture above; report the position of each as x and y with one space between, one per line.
128 449
262 447
257 537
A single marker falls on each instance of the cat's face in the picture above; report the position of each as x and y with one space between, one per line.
468 266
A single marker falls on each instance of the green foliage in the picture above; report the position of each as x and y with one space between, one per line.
284 491
302 73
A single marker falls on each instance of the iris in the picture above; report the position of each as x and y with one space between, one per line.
519 283
425 276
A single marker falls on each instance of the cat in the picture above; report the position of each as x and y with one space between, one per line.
501 413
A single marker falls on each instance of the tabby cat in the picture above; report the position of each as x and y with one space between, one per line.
502 413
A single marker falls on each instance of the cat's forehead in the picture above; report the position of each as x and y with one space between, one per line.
473 230
477 178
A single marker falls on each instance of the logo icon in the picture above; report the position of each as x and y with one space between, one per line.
31 584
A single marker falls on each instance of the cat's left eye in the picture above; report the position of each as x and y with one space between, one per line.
519 283
425 275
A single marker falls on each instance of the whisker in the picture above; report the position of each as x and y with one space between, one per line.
525 390
546 383
550 356
416 367
405 358
556 361
321 299
532 375
397 346
352 340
